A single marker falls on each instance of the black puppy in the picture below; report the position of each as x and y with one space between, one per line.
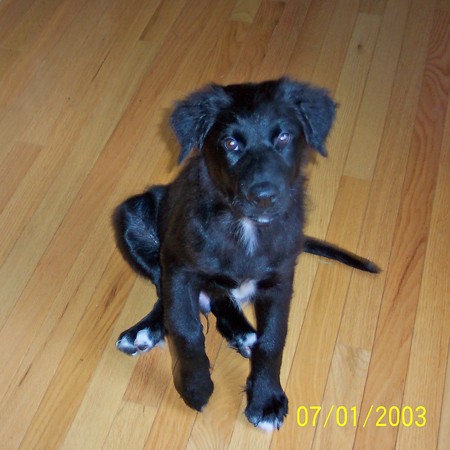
229 229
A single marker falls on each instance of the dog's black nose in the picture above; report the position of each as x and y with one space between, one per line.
263 195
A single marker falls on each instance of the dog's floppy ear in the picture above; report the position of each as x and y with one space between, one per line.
314 109
193 117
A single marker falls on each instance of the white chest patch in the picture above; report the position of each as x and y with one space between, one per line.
244 292
247 235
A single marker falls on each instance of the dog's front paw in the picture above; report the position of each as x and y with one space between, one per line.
243 343
266 409
135 341
195 387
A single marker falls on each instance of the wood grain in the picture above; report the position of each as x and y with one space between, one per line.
374 107
444 431
14 167
391 351
308 375
425 382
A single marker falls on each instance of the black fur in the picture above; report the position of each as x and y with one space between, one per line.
323 248
230 226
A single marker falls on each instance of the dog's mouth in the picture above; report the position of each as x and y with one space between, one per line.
262 220
259 219
242 210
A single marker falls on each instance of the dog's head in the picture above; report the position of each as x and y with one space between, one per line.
254 137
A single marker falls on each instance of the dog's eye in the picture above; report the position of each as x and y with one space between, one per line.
230 144
283 139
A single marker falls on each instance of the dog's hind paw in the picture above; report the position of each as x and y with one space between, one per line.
134 342
243 343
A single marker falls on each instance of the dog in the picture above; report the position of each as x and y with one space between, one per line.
228 230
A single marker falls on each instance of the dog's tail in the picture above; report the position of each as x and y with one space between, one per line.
323 248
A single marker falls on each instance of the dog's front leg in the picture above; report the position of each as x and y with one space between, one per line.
182 320
267 403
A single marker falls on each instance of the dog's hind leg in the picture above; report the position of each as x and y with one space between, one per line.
136 228
145 334
135 223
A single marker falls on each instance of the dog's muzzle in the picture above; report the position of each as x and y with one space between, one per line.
263 195
261 202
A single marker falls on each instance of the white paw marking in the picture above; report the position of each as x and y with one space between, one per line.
244 343
249 340
267 426
143 340
142 344
125 345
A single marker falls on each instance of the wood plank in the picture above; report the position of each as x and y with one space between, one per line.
389 362
7 60
58 27
177 417
372 6
282 42
335 45
247 437
444 430
386 192
59 406
365 293
425 380
325 178
14 168
162 21
44 83
257 43
228 53
10 13
361 158
50 279
212 428
245 10
130 428
54 334
31 24
110 381
443 5
310 40
33 375
348 365
309 372
152 374
39 231
74 125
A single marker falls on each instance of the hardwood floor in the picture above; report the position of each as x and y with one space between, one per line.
86 89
